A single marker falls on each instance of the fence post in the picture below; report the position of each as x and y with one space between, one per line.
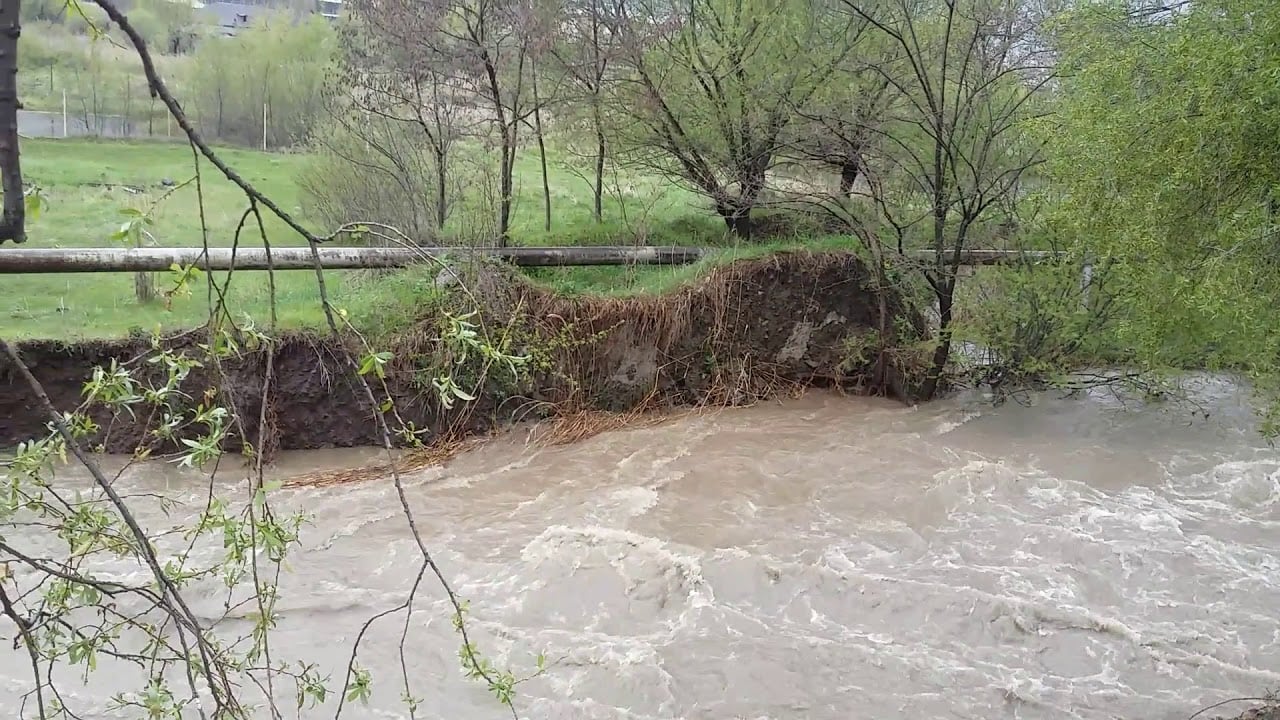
1086 280
64 113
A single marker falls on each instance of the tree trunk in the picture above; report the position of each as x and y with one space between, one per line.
941 353
95 77
542 151
509 137
737 210
442 200
598 189
127 128
144 288
849 176
505 186
738 220
945 286
12 226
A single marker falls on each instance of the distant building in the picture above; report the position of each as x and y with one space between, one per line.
331 9
231 17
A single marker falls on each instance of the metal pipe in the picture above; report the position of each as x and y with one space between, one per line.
88 260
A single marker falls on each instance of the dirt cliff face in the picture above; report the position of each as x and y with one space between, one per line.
737 335
314 400
743 332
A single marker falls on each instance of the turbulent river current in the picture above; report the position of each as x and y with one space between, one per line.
825 557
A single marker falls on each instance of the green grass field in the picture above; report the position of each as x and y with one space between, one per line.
87 183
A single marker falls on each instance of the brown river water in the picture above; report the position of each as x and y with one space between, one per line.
825 557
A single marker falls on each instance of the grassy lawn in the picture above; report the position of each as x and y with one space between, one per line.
637 210
87 183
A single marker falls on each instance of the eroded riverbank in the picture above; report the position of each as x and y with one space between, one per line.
745 331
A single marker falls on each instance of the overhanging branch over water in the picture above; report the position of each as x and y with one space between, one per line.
92 260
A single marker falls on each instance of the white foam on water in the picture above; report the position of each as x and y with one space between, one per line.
914 571
951 424
561 542
618 506
447 477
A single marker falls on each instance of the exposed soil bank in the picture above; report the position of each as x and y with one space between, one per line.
744 331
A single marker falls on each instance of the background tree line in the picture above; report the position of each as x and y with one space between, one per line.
905 124
1142 136
71 52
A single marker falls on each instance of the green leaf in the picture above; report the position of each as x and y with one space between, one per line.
35 204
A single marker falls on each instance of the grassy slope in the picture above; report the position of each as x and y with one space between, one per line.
82 213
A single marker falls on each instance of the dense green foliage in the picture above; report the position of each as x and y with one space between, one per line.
1165 151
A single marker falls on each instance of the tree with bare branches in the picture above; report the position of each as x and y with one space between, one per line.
966 75
838 128
583 50
475 50
389 94
715 85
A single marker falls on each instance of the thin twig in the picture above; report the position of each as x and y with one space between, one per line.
24 629
1228 702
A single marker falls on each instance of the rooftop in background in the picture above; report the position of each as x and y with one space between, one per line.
231 17
329 8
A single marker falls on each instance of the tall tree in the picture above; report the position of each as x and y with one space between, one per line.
480 47
714 86
12 226
966 75
842 124
583 51
1166 153
392 83
539 27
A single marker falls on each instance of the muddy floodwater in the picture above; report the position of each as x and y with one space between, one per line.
825 557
